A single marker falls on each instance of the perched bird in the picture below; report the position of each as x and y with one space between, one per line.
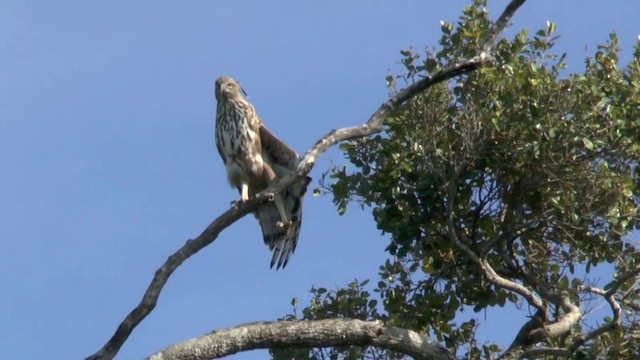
254 159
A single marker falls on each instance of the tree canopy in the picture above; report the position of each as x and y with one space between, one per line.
506 186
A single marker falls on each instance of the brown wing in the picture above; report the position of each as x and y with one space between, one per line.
279 152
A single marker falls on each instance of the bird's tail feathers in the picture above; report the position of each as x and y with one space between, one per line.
282 242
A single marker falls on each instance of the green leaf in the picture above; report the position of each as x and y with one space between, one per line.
587 143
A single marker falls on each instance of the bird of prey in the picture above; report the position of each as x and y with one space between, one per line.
254 159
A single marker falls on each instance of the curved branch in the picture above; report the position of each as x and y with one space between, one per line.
485 268
571 317
372 126
616 309
535 331
572 314
541 351
291 334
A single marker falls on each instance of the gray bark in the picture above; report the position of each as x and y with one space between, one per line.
319 333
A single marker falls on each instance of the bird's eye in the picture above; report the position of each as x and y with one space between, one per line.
230 86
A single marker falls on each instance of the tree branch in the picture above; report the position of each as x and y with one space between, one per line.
372 126
533 332
609 296
537 352
485 268
571 316
501 24
291 334
376 121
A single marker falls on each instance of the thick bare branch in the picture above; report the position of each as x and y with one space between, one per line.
372 126
535 331
291 334
540 351
570 317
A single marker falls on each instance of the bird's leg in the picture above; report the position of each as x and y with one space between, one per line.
244 192
271 179
283 215
244 195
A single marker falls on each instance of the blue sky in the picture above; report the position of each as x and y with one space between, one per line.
108 161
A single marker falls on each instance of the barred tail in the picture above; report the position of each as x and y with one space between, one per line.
282 242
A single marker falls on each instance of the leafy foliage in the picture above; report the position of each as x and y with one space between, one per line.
352 302
533 170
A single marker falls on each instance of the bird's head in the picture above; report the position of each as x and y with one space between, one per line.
228 88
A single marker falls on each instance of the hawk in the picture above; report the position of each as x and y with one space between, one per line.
254 159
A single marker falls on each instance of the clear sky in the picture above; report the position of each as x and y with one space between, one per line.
108 163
